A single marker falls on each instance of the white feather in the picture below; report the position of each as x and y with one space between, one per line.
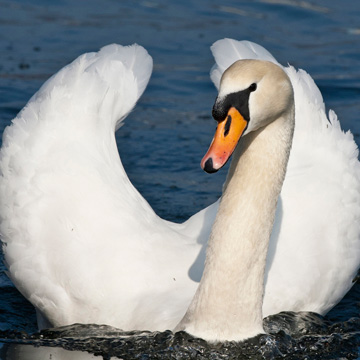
227 51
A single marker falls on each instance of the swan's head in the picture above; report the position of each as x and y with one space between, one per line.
252 94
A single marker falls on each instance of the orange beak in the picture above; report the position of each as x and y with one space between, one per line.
227 135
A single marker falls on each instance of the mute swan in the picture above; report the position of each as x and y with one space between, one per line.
82 245
256 100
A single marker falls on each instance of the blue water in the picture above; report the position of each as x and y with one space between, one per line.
165 137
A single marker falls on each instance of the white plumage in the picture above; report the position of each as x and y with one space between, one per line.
83 245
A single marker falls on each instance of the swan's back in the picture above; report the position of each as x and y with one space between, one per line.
314 251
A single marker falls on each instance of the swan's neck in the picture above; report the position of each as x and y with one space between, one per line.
228 302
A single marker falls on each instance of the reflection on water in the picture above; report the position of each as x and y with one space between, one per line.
172 121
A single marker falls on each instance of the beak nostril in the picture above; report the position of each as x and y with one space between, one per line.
227 125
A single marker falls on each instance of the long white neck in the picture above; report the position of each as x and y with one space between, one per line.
228 302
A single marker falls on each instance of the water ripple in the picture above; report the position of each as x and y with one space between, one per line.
290 335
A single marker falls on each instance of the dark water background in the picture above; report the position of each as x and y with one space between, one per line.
165 137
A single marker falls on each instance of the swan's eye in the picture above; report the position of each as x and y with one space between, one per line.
252 87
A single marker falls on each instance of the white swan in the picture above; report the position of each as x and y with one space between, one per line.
256 100
83 245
